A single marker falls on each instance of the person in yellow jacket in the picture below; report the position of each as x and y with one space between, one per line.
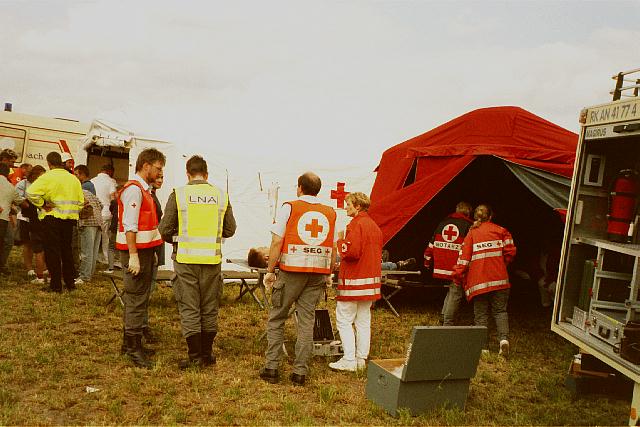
196 218
58 196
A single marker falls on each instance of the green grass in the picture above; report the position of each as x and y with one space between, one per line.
53 346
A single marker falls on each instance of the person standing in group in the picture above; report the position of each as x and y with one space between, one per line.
303 239
29 228
8 197
67 161
136 240
82 173
482 269
197 217
359 283
105 190
442 254
89 230
59 196
9 157
149 337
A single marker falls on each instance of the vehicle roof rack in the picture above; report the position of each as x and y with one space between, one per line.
622 77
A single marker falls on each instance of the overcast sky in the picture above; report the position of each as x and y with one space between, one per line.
326 83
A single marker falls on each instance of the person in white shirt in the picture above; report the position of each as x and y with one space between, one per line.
105 189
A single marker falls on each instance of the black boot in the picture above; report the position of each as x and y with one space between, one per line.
194 343
149 337
123 347
135 351
207 355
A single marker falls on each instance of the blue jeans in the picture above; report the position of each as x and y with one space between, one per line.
496 302
389 266
451 304
89 248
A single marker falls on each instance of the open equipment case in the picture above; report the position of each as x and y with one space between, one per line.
596 302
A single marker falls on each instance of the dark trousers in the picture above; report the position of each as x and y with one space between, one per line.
58 234
136 290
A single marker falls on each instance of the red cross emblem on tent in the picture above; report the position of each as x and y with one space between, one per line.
450 233
339 194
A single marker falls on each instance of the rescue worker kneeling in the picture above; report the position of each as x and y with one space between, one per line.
196 218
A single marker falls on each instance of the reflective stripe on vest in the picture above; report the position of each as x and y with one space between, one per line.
201 210
486 285
147 235
358 292
486 255
356 282
445 272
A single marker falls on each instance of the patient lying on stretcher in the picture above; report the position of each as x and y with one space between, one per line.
258 257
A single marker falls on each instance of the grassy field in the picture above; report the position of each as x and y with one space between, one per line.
52 347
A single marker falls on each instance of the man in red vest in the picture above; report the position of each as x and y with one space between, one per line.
136 240
303 240
442 254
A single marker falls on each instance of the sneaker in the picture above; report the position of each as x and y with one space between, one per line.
79 281
108 271
504 348
31 274
407 263
361 364
344 365
38 281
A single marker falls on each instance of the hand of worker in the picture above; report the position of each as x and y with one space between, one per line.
328 281
134 264
269 280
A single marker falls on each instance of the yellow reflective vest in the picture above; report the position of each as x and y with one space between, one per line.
201 209
59 188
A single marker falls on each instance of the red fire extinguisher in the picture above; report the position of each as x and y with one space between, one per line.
622 205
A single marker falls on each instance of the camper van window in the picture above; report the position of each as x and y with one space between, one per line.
14 139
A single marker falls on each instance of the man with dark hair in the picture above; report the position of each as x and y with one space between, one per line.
9 157
105 187
82 172
442 253
196 233
136 240
303 240
8 197
59 196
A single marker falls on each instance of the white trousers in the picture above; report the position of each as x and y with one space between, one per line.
348 315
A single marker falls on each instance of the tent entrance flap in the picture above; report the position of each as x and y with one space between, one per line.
521 208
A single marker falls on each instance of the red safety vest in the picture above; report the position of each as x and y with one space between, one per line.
308 238
483 260
147 235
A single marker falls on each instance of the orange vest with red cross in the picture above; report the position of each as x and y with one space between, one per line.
147 235
308 238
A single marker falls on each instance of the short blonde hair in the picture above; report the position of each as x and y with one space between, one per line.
360 200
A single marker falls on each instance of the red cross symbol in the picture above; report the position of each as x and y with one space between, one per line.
339 195
133 205
293 249
314 228
450 233
327 251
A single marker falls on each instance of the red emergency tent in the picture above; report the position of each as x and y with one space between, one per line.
488 155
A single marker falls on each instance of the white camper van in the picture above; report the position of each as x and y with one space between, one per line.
92 144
